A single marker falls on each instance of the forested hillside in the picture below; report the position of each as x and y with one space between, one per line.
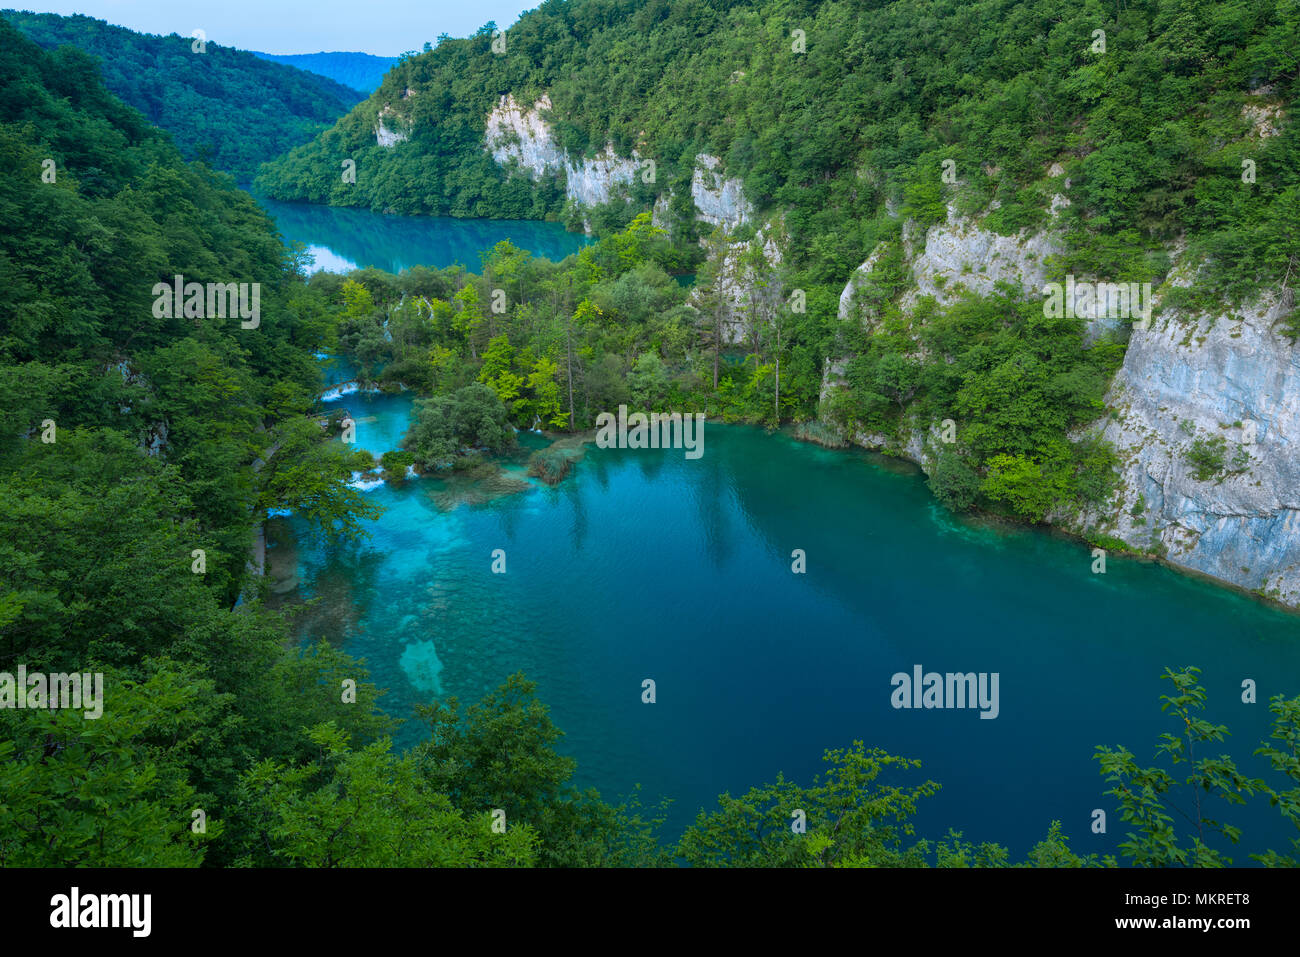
853 128
127 480
139 450
227 107
357 71
863 118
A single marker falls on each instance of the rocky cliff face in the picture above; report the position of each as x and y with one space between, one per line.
721 201
388 137
390 126
1186 381
524 136
514 133
1189 380
959 254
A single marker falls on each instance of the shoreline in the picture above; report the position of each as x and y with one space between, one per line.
813 432
1128 553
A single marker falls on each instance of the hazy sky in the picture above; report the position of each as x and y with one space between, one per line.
383 27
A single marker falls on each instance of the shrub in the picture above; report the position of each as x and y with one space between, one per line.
396 461
954 482
1208 457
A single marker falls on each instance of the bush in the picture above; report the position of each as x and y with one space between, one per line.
1031 487
954 482
395 462
1208 457
360 460
1094 476
447 426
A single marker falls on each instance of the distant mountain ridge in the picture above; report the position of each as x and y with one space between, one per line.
359 71
231 108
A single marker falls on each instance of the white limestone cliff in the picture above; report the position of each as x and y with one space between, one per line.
1183 379
384 134
720 201
1190 378
525 137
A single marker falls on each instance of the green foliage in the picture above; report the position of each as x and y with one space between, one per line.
1284 758
309 477
1150 797
954 482
1208 457
1031 486
231 109
110 791
500 754
125 540
1013 380
444 427
396 460
851 819
368 807
576 338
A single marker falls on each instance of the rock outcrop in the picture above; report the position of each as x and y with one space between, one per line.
720 201
386 136
1226 386
959 254
1189 380
524 137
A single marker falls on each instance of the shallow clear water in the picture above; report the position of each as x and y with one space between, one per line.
644 564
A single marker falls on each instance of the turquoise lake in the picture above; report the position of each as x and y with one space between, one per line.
340 239
644 564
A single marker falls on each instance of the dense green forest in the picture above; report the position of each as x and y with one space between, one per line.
1148 131
140 451
231 109
839 117
560 343
357 71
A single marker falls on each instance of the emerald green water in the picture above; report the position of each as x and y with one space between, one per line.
645 564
